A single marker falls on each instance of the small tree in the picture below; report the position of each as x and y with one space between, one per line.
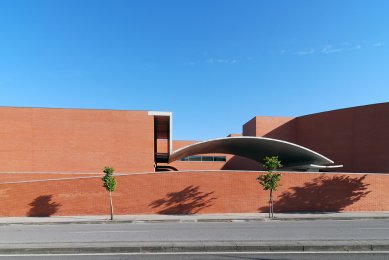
271 180
109 184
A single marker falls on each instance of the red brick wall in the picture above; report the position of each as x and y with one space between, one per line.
250 128
272 127
177 144
356 137
193 192
75 140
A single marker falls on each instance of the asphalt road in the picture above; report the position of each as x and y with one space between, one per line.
239 231
219 256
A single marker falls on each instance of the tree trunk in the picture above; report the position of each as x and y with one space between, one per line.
271 203
110 202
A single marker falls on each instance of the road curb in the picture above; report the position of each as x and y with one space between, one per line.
186 220
331 218
191 247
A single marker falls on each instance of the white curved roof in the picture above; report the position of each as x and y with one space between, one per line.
255 148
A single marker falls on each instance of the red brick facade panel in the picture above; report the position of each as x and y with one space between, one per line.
356 137
75 140
20 177
194 192
272 127
250 128
162 146
177 144
241 163
185 166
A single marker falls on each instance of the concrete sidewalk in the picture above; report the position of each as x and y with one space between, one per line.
232 217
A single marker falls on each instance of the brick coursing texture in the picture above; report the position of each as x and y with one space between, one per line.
355 137
75 140
192 192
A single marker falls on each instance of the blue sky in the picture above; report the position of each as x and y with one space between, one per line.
214 64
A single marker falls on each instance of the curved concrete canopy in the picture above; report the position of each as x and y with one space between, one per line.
255 148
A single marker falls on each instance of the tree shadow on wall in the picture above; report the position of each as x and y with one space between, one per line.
322 194
187 201
42 206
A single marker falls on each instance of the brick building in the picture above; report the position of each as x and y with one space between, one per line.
51 161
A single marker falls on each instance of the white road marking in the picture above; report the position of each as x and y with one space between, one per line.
109 231
374 228
205 253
